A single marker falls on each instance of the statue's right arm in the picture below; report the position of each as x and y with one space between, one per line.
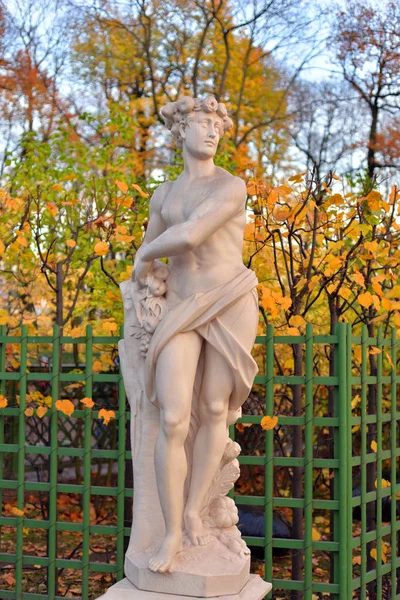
156 225
155 228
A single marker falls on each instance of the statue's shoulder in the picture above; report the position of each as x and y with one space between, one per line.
230 183
159 195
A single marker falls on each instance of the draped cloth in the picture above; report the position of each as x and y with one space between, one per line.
215 315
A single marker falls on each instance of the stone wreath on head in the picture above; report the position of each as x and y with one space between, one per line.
176 113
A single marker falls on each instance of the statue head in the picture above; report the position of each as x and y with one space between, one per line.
197 124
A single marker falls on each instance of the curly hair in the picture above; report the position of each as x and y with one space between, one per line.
176 113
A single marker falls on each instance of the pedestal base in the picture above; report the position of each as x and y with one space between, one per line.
255 589
199 571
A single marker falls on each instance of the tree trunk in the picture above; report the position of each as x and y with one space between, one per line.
372 141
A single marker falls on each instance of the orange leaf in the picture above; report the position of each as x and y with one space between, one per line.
88 402
374 350
52 208
365 299
139 189
359 278
29 412
101 248
3 401
106 415
268 422
71 243
41 411
122 186
65 406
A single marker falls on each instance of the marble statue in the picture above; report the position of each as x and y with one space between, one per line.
187 367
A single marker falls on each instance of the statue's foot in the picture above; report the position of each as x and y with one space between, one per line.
163 559
195 528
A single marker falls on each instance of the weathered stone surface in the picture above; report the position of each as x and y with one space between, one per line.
255 589
203 572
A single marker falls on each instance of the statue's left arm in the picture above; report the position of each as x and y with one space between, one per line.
206 219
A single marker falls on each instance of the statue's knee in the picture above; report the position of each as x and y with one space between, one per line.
215 410
173 424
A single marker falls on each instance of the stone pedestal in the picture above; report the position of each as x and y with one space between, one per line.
199 571
255 589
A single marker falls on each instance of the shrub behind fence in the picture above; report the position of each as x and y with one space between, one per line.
329 468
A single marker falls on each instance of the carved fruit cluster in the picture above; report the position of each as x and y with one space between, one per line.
224 512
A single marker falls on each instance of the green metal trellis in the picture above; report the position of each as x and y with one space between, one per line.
356 572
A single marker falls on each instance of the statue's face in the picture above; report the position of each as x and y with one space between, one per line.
202 134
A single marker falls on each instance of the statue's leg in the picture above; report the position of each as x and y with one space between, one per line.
175 374
210 440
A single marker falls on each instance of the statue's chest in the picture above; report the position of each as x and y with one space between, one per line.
181 201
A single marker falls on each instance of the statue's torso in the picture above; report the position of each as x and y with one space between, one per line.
219 258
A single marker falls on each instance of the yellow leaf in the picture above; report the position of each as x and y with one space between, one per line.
17 512
77 332
344 292
374 446
122 186
109 326
384 483
386 303
359 278
374 350
357 354
2 248
315 534
297 321
297 178
389 359
88 402
3 401
41 411
106 415
101 248
336 177
365 299
97 366
65 406
139 189
356 400
394 292
57 187
293 331
71 243
29 411
268 422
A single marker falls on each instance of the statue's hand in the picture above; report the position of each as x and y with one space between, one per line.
141 269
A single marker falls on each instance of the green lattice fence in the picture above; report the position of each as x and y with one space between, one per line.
339 399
